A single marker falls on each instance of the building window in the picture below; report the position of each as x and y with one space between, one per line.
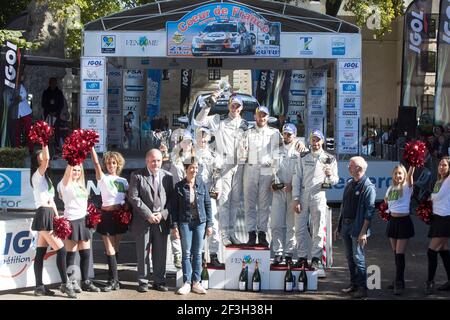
428 62
427 104
165 74
213 74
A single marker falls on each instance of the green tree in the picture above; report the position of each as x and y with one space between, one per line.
11 10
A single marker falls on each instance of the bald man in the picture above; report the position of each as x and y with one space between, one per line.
149 193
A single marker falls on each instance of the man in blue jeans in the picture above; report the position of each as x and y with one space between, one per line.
357 210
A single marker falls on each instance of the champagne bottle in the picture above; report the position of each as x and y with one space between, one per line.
243 278
288 280
256 280
302 280
205 277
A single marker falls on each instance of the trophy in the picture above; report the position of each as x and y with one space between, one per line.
164 138
277 184
326 161
224 89
213 192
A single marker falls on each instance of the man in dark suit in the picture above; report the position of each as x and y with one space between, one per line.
149 192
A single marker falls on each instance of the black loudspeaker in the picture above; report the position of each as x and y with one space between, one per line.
407 121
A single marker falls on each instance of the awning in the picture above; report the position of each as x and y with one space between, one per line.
153 16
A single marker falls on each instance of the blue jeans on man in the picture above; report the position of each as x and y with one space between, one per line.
355 257
192 239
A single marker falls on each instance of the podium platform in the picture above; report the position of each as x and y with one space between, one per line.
272 278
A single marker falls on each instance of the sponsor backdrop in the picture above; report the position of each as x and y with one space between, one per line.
153 92
133 102
115 125
317 100
297 97
93 102
349 106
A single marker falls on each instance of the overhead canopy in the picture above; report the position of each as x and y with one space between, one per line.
154 16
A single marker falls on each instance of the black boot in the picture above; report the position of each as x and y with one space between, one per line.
251 238
262 241
214 260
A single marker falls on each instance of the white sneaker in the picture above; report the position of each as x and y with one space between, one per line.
197 288
185 289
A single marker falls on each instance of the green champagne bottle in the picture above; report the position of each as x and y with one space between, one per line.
288 280
302 280
243 278
256 279
205 277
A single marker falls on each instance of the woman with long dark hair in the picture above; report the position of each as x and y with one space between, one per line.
44 193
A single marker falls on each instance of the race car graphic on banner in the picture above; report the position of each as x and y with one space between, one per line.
223 29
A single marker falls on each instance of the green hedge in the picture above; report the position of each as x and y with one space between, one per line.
13 157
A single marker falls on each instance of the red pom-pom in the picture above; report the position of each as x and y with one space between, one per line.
414 153
424 211
122 216
94 216
78 144
382 211
40 132
61 228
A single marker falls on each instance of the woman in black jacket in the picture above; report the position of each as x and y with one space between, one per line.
192 222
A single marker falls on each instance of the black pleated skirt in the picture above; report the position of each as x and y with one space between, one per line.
400 228
108 227
439 227
79 230
43 219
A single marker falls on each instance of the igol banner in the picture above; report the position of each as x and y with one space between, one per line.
9 86
415 36
185 90
442 94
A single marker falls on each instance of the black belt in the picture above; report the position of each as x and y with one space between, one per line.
348 220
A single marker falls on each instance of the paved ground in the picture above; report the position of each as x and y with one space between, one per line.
378 253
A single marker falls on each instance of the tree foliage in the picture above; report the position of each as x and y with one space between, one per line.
16 37
378 14
11 10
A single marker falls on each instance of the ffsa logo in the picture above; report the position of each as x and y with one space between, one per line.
10 183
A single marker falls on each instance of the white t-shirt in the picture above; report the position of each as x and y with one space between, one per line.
24 107
75 200
441 198
397 204
113 189
43 192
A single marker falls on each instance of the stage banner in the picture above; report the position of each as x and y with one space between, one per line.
115 78
347 122
133 100
297 97
93 98
415 43
317 100
153 92
264 85
223 29
442 95
185 90
9 88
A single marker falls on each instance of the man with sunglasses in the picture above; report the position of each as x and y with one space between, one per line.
228 135
309 199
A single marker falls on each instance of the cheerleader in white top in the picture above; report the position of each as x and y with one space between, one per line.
72 191
113 189
400 227
440 227
44 193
